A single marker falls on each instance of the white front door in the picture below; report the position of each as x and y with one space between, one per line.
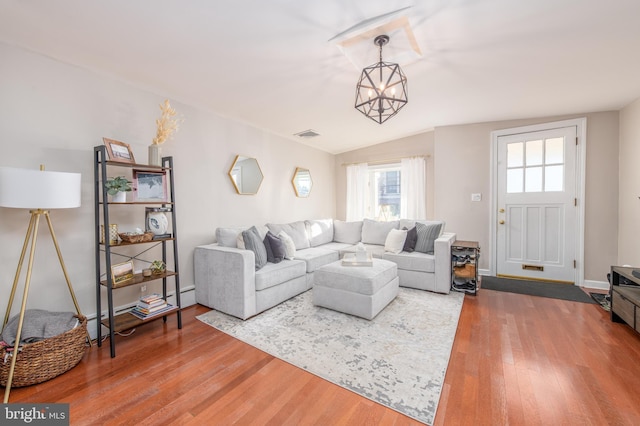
536 200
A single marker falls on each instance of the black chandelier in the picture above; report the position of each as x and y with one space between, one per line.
382 89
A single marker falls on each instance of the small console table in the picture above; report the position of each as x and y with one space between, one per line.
625 297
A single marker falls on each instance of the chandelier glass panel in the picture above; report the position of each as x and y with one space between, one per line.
382 89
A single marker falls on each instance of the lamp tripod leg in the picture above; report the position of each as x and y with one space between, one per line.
18 270
64 271
33 227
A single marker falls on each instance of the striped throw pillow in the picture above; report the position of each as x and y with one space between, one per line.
427 235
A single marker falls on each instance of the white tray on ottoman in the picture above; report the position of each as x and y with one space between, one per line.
362 292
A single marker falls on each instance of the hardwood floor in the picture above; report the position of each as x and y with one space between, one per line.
516 360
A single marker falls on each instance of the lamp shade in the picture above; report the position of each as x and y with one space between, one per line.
38 189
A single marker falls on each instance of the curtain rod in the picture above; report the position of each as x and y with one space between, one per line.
386 161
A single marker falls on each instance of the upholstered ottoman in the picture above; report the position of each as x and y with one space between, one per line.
362 291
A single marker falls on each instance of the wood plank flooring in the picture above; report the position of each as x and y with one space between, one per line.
517 360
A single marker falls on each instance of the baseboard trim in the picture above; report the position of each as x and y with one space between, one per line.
596 285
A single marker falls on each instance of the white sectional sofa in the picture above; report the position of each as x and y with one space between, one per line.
227 279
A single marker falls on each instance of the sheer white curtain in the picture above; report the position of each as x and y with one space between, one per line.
413 188
357 191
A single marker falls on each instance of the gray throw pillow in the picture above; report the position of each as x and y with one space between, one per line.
427 235
275 248
412 239
253 242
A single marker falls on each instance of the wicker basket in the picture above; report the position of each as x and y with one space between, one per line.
136 238
41 361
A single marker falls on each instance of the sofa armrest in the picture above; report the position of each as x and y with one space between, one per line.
442 252
225 279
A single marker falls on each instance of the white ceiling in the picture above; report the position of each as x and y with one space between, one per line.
271 64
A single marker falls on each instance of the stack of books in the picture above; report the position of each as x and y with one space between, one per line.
151 306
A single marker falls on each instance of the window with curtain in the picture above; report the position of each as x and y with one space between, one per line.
386 192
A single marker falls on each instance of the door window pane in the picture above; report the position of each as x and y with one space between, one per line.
514 154
514 180
534 153
554 178
533 179
554 151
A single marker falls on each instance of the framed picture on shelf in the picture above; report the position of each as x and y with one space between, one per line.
119 151
122 272
149 186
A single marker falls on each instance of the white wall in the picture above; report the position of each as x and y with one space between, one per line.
54 114
629 197
462 167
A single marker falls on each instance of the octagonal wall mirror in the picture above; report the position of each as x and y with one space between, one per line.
246 175
302 182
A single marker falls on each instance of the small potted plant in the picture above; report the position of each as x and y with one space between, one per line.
117 187
157 267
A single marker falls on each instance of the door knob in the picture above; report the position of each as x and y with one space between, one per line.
501 222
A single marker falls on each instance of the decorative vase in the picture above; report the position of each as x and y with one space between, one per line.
120 197
155 155
157 223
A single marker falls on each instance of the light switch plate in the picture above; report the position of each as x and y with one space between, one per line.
476 197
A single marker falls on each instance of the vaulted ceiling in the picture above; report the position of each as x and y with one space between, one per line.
277 65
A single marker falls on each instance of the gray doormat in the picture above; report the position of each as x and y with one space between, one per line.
536 288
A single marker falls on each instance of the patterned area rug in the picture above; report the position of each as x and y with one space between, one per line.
398 360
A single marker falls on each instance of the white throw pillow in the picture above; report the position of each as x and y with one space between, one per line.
395 240
289 245
240 241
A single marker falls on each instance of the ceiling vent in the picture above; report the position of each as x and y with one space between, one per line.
307 134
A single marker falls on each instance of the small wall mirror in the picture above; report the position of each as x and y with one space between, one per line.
246 175
302 182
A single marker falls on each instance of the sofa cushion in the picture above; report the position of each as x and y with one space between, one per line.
230 237
337 246
410 241
416 261
347 232
319 231
289 245
427 235
226 237
296 230
315 257
375 232
274 274
253 242
394 242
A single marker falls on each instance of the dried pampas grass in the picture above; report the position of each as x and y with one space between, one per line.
167 123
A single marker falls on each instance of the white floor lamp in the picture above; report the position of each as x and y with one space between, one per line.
37 191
